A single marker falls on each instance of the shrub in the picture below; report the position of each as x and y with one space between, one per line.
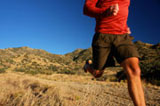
33 71
53 68
151 71
65 71
2 70
19 70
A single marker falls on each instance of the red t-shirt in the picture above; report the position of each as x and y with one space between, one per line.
105 23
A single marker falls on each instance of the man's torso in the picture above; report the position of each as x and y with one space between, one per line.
113 24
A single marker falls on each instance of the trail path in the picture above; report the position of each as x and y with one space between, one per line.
74 90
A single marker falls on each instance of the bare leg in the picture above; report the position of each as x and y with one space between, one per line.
132 69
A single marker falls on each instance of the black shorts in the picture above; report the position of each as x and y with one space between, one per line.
105 46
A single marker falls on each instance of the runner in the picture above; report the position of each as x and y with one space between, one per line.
112 38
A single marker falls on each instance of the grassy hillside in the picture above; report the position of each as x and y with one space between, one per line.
58 80
35 61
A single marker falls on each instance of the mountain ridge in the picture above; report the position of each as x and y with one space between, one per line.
38 60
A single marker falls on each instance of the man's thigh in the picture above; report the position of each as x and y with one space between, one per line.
101 46
125 48
100 56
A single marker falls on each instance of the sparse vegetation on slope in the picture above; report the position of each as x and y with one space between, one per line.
151 71
35 61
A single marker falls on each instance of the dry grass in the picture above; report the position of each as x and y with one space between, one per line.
18 89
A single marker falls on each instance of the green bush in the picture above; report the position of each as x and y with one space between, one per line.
151 71
53 68
65 71
33 71
2 70
19 70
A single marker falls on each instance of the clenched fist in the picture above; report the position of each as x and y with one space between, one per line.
114 9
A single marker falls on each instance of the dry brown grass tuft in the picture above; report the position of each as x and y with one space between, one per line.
17 90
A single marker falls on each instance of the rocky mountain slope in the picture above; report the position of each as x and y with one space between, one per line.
28 60
80 89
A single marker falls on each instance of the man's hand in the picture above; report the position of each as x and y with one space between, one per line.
114 9
128 31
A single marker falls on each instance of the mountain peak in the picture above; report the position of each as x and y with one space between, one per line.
25 47
17 48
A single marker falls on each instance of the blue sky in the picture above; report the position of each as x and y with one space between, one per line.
59 26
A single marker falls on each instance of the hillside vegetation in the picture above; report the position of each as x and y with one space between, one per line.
34 77
37 61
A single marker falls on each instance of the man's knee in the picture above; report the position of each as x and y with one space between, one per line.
134 72
131 66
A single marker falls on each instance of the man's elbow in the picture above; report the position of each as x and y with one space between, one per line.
85 11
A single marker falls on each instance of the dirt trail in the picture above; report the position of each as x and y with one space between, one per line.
76 90
83 91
